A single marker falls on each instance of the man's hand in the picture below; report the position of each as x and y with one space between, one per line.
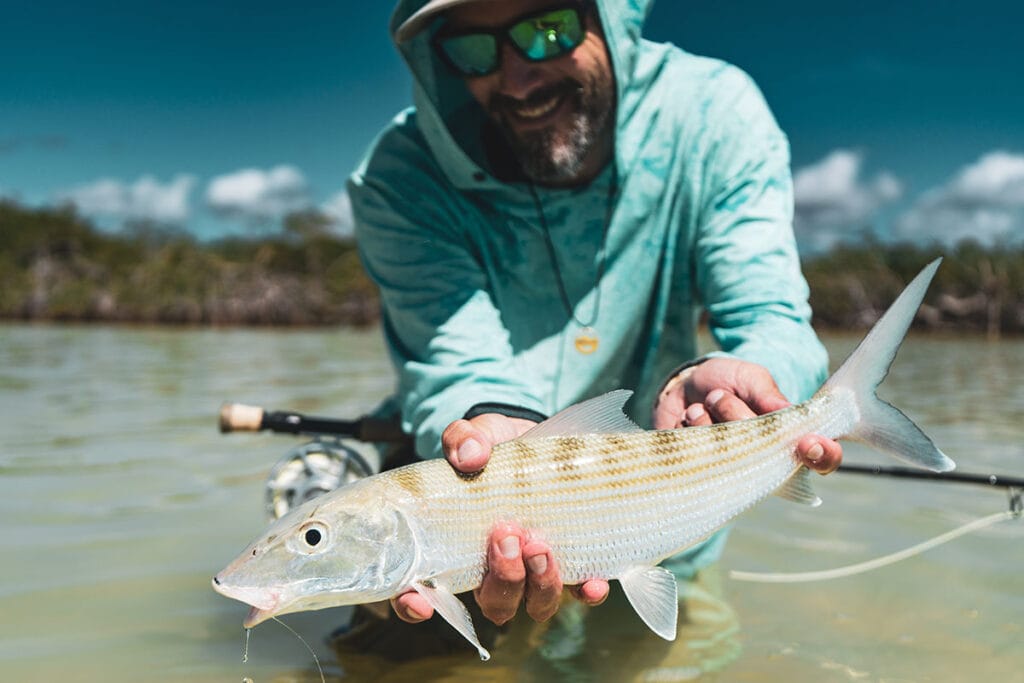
518 567
724 389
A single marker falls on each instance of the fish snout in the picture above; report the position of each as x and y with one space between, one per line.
259 598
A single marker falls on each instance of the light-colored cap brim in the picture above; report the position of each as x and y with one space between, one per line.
423 16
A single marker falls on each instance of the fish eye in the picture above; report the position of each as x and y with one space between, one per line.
313 535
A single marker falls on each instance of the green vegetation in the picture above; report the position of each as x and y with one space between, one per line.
54 265
978 288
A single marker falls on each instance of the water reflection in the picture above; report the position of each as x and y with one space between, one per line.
120 500
606 643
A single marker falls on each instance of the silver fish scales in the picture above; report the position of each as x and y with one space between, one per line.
610 499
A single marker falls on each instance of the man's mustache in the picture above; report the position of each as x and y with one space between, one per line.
501 104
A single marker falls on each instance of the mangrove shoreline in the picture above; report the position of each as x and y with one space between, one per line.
57 266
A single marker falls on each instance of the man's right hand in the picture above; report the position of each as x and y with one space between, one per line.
518 567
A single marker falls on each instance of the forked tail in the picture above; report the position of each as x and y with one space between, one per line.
881 425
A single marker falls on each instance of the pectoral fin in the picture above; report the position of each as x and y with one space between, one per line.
453 611
653 593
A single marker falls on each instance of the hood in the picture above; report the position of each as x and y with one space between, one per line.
452 122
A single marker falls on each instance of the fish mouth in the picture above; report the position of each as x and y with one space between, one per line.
256 616
264 603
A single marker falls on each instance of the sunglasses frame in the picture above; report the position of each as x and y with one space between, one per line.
502 35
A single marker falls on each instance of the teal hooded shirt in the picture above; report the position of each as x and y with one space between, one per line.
701 219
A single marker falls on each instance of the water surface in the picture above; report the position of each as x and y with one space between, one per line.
120 500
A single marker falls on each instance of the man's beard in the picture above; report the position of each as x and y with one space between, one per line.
556 154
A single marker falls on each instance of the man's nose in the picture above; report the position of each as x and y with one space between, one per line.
519 76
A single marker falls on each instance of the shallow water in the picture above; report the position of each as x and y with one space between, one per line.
120 500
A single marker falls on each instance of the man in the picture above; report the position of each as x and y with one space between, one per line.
546 224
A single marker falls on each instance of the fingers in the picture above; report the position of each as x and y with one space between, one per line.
467 443
466 446
667 411
696 416
821 454
518 568
591 593
725 406
412 607
543 584
504 584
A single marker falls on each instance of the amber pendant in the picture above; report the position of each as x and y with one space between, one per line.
586 341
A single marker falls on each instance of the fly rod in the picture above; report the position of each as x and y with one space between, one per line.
238 417
997 480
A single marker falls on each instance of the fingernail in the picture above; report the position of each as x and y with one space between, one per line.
694 412
714 397
538 563
815 452
509 547
468 450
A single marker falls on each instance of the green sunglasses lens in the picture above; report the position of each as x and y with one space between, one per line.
548 35
474 54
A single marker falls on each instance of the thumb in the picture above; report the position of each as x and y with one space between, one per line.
466 446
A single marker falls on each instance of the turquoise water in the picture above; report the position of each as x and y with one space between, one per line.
120 500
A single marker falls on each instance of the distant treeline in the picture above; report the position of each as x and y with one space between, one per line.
977 288
55 265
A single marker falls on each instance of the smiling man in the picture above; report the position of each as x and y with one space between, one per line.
547 223
558 120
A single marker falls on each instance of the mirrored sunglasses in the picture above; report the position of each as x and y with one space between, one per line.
539 37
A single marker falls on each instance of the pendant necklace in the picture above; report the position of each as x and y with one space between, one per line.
586 341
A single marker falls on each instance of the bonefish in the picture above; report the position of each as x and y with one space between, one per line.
611 499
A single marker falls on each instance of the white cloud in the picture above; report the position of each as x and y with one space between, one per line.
339 209
259 196
147 199
833 202
984 201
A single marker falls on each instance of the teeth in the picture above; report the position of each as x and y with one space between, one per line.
539 110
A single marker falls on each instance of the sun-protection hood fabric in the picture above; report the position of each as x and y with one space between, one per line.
451 121
700 219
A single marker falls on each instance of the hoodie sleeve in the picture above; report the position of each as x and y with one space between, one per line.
746 263
443 331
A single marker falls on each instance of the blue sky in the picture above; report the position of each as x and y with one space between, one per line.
219 117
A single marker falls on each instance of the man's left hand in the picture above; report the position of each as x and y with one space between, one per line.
725 389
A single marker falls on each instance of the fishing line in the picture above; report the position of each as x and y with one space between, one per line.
302 640
850 570
245 653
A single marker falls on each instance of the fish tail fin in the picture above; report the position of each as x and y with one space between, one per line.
881 425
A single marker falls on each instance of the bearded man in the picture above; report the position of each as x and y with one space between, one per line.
547 224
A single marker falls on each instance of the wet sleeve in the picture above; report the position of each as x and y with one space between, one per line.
746 262
445 336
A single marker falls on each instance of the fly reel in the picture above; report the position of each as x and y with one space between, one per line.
311 470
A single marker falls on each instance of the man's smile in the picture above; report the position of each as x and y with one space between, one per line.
528 111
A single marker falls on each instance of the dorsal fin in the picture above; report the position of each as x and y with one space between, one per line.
600 415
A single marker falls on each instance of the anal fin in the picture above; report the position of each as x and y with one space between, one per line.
653 593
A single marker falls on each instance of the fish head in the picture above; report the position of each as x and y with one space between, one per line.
339 549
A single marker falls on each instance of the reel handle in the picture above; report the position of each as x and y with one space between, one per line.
238 417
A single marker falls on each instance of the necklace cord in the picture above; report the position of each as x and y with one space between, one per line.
601 254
